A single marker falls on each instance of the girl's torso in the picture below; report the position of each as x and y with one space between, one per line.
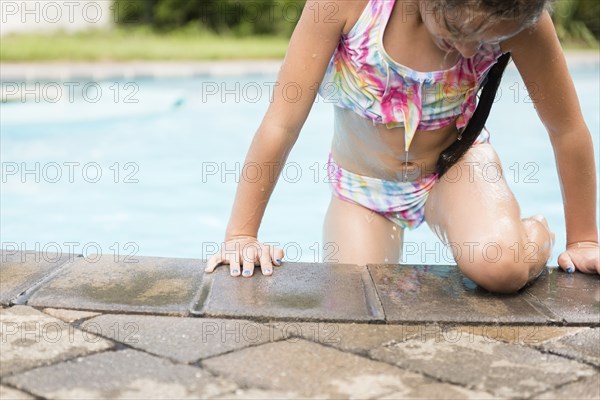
383 41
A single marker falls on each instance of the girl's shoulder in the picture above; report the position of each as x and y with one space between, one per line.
352 11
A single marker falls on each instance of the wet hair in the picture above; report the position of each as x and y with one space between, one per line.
524 12
527 12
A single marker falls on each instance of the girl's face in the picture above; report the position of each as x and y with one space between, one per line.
465 30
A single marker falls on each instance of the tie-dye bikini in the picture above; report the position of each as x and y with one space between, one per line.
362 77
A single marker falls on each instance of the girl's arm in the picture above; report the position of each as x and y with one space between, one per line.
311 46
539 58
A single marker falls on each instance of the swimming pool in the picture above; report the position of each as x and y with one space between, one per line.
149 167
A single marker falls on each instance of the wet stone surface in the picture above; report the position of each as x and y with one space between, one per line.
22 270
301 291
150 285
443 294
31 338
502 369
583 346
573 298
184 340
315 370
122 374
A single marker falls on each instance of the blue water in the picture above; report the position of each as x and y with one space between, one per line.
156 195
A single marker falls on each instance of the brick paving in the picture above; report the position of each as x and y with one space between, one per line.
160 328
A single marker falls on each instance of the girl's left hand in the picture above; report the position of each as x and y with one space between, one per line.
583 256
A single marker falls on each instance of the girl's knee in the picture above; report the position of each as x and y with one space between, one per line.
498 278
496 271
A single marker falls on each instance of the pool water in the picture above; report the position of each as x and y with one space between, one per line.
150 167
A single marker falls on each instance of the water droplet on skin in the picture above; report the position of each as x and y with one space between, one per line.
314 55
386 260
392 236
262 189
393 227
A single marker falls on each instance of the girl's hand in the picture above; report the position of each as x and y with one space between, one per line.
250 252
584 256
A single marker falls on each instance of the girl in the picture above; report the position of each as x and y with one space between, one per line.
409 142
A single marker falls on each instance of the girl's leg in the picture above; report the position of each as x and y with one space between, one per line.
472 210
353 234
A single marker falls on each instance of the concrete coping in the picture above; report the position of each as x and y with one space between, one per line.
383 293
37 71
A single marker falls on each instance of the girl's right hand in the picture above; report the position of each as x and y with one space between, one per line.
250 252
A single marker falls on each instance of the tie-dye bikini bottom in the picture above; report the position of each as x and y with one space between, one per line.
401 202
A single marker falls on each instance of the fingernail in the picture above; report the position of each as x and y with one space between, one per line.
278 260
570 269
235 271
247 272
267 271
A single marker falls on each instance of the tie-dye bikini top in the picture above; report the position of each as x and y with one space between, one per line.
362 77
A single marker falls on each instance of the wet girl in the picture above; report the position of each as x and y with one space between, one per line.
409 139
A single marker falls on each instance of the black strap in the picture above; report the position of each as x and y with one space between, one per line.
456 150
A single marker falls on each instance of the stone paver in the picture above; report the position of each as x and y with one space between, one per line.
7 393
125 374
69 315
182 339
150 285
496 367
584 389
31 338
432 391
528 335
259 394
360 338
574 298
354 337
442 293
583 346
21 270
302 291
315 370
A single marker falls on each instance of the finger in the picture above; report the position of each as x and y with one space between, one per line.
566 263
234 265
249 257
276 255
587 266
265 261
213 262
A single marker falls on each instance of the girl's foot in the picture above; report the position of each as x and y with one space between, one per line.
532 226
542 220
